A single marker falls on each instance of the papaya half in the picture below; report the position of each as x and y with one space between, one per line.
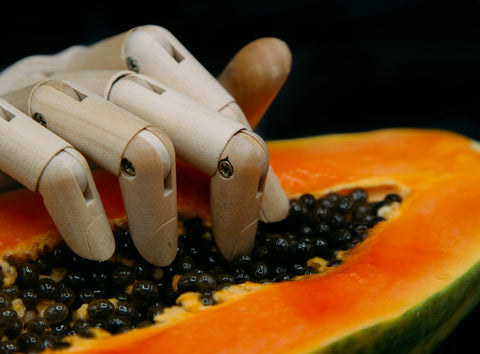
403 289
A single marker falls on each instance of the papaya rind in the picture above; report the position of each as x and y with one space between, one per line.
420 329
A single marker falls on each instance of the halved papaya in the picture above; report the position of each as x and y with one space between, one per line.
403 289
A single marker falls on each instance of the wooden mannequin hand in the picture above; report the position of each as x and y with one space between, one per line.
72 110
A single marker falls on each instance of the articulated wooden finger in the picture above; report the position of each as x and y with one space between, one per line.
148 184
119 142
256 74
171 64
236 193
211 144
154 51
44 162
97 128
198 135
72 200
107 54
25 146
36 68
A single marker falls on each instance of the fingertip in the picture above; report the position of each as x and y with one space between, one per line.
158 247
256 74
99 241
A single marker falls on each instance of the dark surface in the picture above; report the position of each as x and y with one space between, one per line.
357 65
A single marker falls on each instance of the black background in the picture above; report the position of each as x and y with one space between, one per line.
357 65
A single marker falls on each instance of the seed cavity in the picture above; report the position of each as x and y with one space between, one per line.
60 294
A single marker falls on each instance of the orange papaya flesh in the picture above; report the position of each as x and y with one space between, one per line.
404 288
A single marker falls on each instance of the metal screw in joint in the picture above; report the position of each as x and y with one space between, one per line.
128 167
132 64
39 118
225 168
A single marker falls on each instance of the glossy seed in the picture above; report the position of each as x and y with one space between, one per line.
260 270
303 250
279 269
332 197
37 325
81 324
129 311
205 283
29 342
66 296
122 276
298 213
224 278
84 296
297 268
319 245
47 288
242 261
320 213
121 296
9 347
280 245
325 203
240 275
116 323
12 291
184 264
390 198
8 317
145 291
207 300
345 204
187 282
29 298
61 329
15 329
322 229
75 280
100 309
55 313
28 275
361 212
4 300
307 200
359 196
